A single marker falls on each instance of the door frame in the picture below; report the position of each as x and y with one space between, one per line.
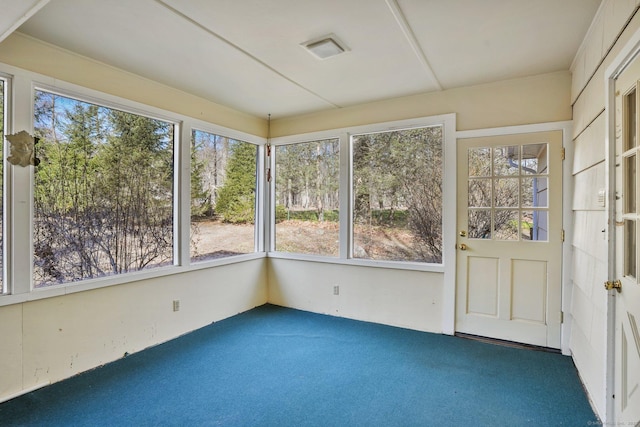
627 54
567 218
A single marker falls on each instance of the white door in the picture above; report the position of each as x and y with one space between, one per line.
627 316
509 255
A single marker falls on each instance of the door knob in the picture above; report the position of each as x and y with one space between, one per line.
462 247
616 284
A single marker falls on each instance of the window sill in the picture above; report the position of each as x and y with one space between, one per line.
395 265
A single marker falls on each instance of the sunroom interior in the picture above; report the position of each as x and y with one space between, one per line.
503 96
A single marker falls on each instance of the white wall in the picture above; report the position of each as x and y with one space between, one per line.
50 339
408 299
590 258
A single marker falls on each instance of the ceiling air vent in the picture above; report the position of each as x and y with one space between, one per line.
325 47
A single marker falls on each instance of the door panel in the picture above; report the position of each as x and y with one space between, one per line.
627 301
510 229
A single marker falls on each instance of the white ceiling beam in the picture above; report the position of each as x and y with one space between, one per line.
16 13
413 42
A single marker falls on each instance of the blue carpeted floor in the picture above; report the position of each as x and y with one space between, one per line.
274 366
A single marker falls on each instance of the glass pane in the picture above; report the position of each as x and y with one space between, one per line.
534 159
397 195
630 248
2 134
479 224
506 160
630 184
534 192
506 224
506 192
480 162
630 115
223 187
103 192
534 225
307 178
480 193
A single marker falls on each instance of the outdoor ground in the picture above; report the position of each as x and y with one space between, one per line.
215 239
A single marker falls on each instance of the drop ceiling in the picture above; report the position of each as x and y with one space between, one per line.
248 54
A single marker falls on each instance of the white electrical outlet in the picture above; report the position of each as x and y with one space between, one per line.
176 305
336 289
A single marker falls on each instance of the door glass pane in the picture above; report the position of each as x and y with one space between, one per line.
630 248
506 160
630 184
506 192
479 224
506 224
534 192
479 193
534 225
480 161
534 159
630 113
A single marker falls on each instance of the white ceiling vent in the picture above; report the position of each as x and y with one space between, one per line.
325 47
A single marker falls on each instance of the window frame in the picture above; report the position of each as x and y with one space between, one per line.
5 286
272 194
19 203
448 123
258 228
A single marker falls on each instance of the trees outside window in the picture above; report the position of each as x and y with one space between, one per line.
223 196
397 195
307 202
103 192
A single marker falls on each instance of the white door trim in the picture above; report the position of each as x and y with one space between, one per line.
567 190
628 53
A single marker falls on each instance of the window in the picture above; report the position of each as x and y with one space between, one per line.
397 195
223 196
307 202
103 192
508 193
2 134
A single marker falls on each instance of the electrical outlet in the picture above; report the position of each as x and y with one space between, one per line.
336 289
176 305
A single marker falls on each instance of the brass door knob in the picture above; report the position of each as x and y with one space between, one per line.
616 284
462 247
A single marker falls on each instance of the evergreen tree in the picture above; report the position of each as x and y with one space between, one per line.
237 197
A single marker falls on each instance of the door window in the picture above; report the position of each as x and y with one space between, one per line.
508 193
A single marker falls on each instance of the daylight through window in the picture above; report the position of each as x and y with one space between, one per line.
397 195
103 192
223 196
308 198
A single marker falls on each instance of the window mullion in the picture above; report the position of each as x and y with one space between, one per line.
346 206
20 193
182 200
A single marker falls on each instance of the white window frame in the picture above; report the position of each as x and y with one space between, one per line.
5 288
448 122
258 228
19 188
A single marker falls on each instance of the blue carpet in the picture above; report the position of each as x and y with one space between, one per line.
274 366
